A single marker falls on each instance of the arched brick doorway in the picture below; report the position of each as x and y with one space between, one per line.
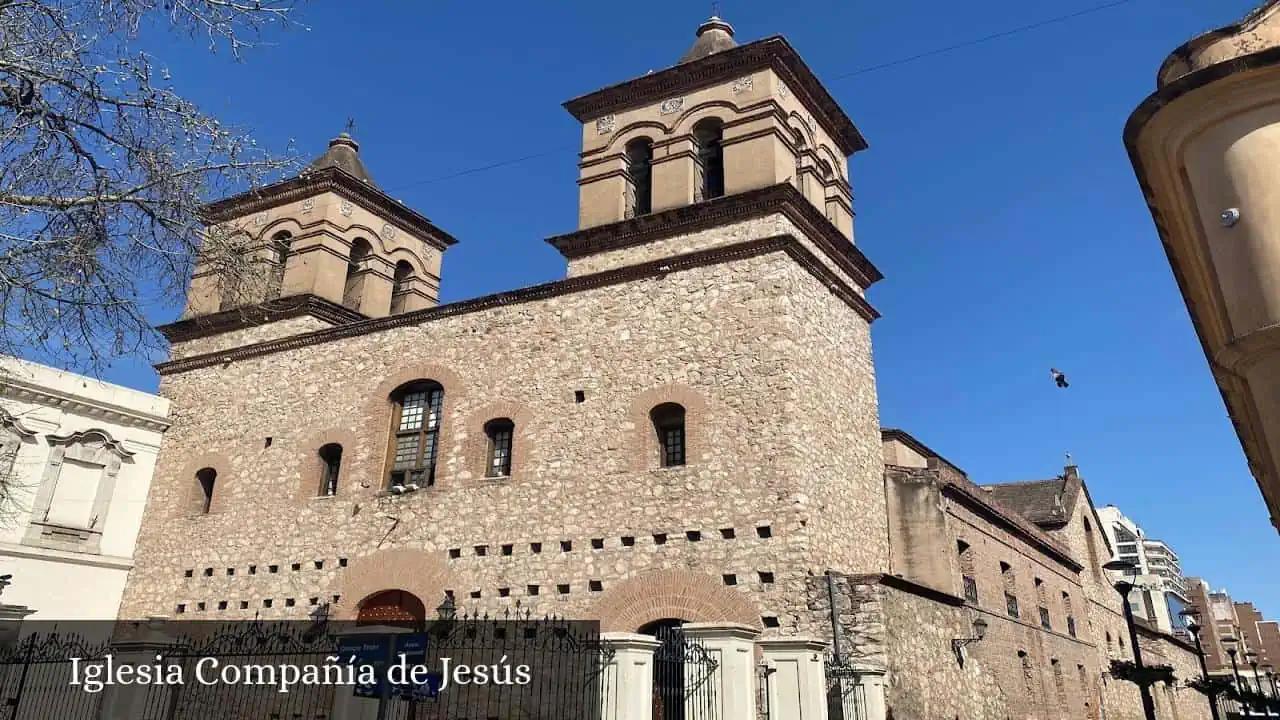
396 608
670 594
418 573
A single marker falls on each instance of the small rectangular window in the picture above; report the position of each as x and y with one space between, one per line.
1044 619
970 589
1011 604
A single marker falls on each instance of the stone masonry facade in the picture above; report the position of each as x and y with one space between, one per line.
744 303
741 514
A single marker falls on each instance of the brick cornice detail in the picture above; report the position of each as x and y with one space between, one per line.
656 268
332 180
772 52
781 198
258 314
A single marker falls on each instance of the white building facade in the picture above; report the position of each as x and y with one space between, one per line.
76 459
1160 589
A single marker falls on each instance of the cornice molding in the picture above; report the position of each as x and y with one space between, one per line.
332 180
254 315
657 268
77 405
783 198
771 52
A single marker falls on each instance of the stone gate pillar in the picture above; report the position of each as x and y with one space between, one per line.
732 646
628 693
797 683
130 702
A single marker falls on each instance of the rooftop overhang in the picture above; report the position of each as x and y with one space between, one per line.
772 52
1186 247
334 180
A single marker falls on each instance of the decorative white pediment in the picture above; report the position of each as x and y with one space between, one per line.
92 438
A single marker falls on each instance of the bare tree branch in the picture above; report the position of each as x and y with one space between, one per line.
104 168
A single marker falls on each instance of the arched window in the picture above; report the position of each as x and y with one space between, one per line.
331 465
353 291
415 434
709 136
278 250
206 479
500 433
400 286
668 424
640 168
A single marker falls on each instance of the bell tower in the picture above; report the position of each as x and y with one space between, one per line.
724 120
328 239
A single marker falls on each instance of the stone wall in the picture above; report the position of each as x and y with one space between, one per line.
907 629
587 508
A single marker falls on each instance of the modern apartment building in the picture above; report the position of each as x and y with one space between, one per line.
1161 590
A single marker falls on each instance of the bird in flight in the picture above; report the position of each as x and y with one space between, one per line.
1059 377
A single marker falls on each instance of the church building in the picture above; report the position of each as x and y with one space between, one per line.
682 431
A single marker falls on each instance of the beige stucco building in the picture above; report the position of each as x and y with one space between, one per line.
76 460
682 430
1205 146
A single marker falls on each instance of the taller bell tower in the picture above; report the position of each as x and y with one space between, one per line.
725 119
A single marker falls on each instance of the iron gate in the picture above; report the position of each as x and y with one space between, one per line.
684 685
846 695
33 678
566 661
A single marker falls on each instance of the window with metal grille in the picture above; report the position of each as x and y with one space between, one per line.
1011 604
500 433
416 436
331 459
668 423
970 589
1071 626
1044 619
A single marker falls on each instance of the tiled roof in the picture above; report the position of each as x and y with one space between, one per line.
1040 501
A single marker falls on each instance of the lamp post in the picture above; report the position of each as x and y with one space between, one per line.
1194 629
1124 587
1230 642
1252 657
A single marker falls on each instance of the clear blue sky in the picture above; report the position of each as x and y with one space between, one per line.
996 197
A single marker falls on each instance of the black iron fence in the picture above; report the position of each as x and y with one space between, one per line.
457 669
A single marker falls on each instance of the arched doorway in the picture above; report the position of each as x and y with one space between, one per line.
669 687
392 608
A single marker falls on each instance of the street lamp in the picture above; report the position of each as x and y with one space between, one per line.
1124 587
1230 642
1252 657
1194 628
958 644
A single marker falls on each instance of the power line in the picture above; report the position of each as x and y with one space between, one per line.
985 39
860 71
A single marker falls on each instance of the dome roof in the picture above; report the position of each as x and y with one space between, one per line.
714 35
344 154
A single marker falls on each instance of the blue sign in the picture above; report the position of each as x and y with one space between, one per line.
380 652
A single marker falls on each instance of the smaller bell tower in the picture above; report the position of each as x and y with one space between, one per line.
328 239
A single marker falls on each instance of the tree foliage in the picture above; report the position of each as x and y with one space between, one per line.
104 167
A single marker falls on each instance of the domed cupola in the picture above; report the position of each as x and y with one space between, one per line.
714 35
